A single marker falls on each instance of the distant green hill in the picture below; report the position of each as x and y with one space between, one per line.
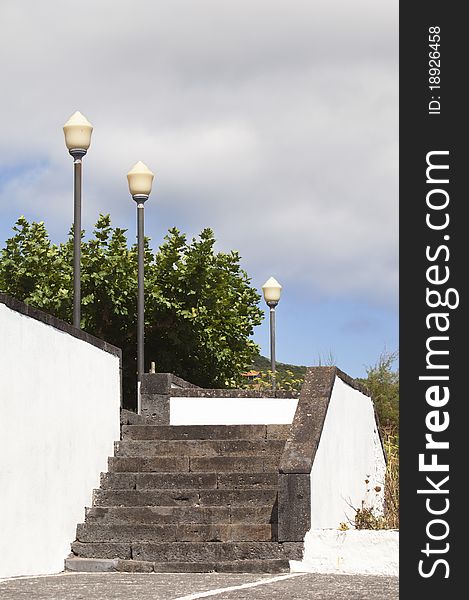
261 363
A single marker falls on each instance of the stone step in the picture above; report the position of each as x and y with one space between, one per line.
235 464
261 514
148 481
204 432
94 565
189 552
92 532
184 464
203 448
153 464
184 497
241 481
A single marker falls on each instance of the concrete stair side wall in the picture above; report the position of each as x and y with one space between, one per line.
349 467
333 459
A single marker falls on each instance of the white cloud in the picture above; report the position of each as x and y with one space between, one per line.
267 120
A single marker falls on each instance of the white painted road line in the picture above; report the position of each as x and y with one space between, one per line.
19 577
232 588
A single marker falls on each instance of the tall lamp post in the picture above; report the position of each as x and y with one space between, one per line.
140 180
271 290
77 131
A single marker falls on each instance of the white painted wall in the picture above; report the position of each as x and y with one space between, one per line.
355 551
349 453
59 417
232 411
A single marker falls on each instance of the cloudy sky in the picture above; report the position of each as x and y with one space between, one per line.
273 122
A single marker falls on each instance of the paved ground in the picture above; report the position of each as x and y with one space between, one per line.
127 586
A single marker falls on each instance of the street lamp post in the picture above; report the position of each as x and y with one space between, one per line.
271 290
140 180
77 131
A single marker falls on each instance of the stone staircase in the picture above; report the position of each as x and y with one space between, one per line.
194 498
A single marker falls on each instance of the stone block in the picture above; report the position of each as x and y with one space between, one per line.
128 417
118 481
237 497
160 514
101 550
233 464
215 551
243 532
277 432
155 383
91 565
194 432
254 566
176 481
294 507
134 566
155 408
265 513
184 567
271 448
120 533
247 480
146 498
156 464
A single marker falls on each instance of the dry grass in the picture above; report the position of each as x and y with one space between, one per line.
391 489
365 517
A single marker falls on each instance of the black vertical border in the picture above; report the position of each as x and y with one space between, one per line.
419 134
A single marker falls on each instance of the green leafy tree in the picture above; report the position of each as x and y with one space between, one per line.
33 269
200 308
201 311
383 383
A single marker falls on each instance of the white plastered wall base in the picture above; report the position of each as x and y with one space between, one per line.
363 552
348 470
